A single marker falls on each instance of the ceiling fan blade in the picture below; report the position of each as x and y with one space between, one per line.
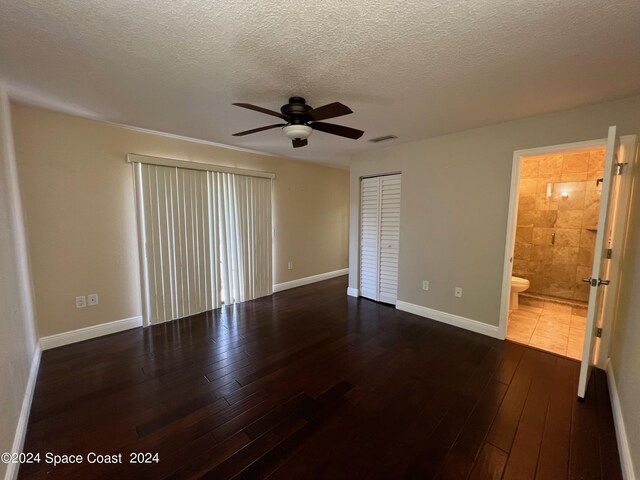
261 110
337 130
297 143
331 110
256 130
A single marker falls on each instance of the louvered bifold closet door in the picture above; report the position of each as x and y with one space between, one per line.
180 246
389 238
369 237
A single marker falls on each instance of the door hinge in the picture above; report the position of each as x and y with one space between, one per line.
599 332
609 252
620 168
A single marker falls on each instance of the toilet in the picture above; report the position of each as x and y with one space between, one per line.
517 285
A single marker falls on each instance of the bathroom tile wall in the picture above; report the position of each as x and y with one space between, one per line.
557 219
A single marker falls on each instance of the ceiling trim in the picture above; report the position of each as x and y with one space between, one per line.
185 138
20 100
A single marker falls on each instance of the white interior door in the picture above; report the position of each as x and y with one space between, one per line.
389 238
369 237
598 280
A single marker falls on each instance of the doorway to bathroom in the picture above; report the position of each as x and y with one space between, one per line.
567 224
558 206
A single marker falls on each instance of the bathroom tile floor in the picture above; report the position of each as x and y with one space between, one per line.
549 326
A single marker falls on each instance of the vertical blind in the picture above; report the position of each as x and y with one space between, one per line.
205 239
245 223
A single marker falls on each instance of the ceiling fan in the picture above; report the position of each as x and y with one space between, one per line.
301 120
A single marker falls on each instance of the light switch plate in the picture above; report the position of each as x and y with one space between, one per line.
458 292
92 299
81 301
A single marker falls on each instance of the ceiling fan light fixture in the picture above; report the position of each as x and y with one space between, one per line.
300 120
297 131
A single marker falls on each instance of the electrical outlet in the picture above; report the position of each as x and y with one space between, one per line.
81 301
425 284
458 292
92 299
290 265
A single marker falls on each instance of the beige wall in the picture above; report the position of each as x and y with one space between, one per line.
455 195
18 340
79 204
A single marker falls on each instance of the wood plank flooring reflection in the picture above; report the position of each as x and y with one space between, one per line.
310 383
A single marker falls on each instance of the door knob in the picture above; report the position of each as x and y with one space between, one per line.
596 282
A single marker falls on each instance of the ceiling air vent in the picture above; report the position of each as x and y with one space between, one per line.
382 139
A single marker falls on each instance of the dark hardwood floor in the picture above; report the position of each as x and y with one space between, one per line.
310 383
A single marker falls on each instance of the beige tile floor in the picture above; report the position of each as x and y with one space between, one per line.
550 326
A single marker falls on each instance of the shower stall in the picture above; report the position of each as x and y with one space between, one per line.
558 206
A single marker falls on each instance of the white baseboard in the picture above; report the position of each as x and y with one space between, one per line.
307 280
60 339
449 318
353 292
21 429
626 461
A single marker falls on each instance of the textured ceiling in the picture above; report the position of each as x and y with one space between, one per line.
412 68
